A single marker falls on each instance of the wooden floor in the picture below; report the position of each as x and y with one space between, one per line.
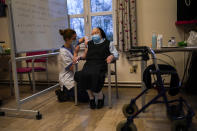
68 117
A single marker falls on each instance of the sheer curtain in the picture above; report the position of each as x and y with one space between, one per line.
126 24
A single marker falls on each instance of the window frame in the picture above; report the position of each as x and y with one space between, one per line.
87 15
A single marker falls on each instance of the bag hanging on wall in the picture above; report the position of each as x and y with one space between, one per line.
186 10
2 9
192 40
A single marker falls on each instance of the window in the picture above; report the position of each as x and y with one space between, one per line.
87 14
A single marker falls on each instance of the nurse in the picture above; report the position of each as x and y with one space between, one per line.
65 62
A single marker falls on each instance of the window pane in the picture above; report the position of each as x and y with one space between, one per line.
101 5
78 25
105 22
75 7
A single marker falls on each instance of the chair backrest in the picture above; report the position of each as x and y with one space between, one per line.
43 59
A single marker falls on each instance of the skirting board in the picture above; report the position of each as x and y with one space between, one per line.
120 84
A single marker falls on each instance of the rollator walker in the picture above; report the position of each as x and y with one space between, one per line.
178 110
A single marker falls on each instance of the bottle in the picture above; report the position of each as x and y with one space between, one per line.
169 43
1 48
154 40
159 41
173 41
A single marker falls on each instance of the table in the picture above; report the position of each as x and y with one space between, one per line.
174 49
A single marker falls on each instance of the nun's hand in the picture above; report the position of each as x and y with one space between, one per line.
110 59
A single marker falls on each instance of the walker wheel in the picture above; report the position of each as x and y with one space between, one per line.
179 125
129 110
122 126
174 111
38 116
173 91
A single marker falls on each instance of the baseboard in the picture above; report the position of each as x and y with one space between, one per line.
40 83
125 84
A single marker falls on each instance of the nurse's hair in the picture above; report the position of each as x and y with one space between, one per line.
67 33
102 32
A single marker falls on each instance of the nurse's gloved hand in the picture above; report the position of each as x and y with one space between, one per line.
82 40
76 59
110 59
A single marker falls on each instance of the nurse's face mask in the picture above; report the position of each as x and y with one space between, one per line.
74 41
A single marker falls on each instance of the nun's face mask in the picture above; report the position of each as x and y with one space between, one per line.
96 35
96 38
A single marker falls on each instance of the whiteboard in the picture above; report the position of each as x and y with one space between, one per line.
37 23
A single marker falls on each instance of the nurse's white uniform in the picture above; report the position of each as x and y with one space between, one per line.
65 60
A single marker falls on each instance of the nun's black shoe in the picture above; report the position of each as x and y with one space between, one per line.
100 103
92 104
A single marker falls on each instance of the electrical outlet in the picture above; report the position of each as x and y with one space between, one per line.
135 68
131 69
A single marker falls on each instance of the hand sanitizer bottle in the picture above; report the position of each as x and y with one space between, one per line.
154 40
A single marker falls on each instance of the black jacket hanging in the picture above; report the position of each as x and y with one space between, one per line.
174 82
2 9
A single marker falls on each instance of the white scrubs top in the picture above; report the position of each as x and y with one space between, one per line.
65 61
